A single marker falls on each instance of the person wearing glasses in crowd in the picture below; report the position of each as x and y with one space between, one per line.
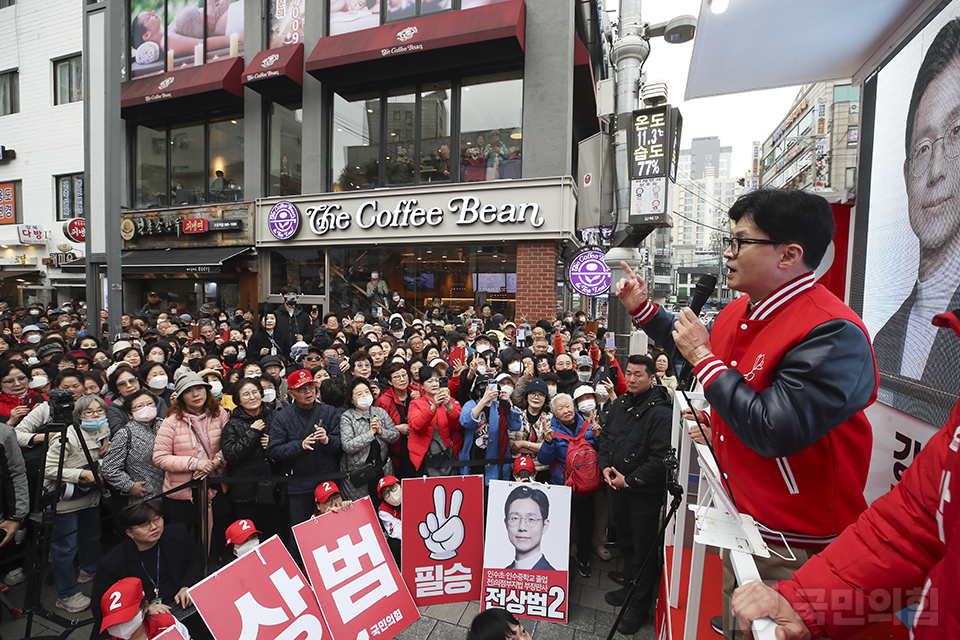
76 528
788 370
122 382
395 400
16 397
163 557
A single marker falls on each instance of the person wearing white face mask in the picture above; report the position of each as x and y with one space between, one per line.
156 377
366 431
128 466
244 537
377 291
130 616
32 334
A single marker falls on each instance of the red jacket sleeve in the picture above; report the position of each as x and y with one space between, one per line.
558 344
620 386
877 554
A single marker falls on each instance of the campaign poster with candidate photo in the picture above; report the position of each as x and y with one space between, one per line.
911 191
443 538
526 553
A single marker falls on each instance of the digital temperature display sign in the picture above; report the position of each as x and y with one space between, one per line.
654 142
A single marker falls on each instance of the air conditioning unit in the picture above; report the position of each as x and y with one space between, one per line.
854 107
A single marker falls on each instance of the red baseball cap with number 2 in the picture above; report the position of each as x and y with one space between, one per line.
121 602
239 531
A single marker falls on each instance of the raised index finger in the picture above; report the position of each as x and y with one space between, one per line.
630 274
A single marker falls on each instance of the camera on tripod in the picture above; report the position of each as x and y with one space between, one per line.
61 409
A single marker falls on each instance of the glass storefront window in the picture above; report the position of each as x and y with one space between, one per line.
226 161
435 132
356 142
187 169
400 152
302 269
188 164
150 177
286 150
461 276
491 117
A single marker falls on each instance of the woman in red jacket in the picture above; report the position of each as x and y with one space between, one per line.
16 398
395 400
434 418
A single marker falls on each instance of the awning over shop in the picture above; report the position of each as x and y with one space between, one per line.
448 40
276 73
164 94
166 261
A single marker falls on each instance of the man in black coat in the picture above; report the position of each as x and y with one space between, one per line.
293 323
165 559
633 445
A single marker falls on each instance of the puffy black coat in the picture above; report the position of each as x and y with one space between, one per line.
240 444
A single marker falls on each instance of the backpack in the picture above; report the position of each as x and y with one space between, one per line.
583 464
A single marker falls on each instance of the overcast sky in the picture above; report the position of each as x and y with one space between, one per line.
737 119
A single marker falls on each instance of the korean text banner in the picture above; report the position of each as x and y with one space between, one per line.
356 580
443 538
525 558
259 596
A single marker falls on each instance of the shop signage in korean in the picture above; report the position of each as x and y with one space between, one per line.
653 142
261 596
30 234
131 228
649 201
75 229
589 274
501 210
526 556
60 259
358 585
443 538
8 205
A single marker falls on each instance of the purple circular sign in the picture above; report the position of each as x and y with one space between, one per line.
589 274
284 220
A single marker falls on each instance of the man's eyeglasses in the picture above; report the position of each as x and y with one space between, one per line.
155 521
737 243
530 521
923 150
312 358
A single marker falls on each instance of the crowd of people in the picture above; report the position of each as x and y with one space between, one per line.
239 400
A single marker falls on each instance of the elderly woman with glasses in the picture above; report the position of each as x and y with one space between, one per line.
16 397
128 466
123 382
76 527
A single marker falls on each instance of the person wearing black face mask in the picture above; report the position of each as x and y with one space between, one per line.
293 324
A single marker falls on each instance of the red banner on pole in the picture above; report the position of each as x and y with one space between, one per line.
357 583
259 596
443 538
525 558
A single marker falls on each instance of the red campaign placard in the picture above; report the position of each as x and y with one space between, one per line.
443 538
358 585
525 557
260 596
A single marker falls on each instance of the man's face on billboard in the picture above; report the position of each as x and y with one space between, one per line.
525 526
932 177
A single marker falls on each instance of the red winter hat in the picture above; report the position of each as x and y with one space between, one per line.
239 531
121 602
299 378
324 490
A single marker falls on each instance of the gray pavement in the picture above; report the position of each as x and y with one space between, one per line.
589 616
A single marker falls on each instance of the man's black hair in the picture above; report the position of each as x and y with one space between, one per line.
331 392
492 624
523 492
944 50
140 513
287 290
645 361
790 217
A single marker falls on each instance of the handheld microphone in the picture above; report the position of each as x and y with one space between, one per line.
704 289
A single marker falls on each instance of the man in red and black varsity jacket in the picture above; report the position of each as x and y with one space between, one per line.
787 370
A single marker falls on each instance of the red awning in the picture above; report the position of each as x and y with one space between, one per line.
452 37
217 80
276 73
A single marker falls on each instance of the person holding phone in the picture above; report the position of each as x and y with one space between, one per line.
434 427
395 400
487 419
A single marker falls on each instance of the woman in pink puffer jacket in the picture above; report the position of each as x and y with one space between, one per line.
188 446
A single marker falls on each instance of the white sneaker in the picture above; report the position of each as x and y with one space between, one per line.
15 576
74 604
85 577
